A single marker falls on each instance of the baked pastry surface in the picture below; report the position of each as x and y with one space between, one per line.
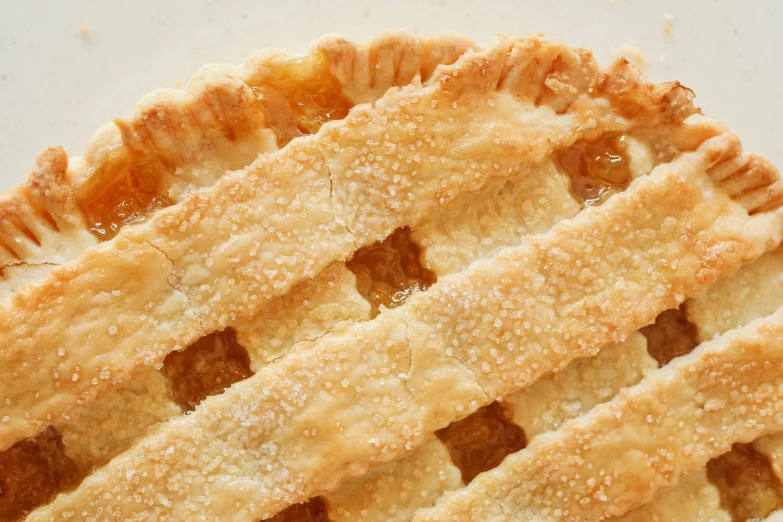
414 279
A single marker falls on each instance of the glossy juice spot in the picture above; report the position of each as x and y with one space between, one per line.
481 441
300 94
597 169
206 367
126 192
389 271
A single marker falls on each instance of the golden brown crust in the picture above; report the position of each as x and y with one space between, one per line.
258 236
549 403
693 499
367 71
309 205
40 223
394 491
192 137
754 291
669 425
476 223
307 312
95 434
391 382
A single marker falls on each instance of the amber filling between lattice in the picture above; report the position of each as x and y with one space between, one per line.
749 489
300 94
481 441
671 335
597 168
125 190
206 367
390 271
314 510
32 472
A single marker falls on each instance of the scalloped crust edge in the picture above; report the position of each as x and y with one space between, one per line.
41 221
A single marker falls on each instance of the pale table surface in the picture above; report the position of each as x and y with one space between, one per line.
58 84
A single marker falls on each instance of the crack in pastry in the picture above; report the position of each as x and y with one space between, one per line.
312 309
566 87
549 402
178 141
574 391
44 206
96 433
229 277
543 406
634 216
388 492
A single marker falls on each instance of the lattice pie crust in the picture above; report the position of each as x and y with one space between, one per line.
414 279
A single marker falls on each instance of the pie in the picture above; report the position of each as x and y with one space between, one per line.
414 279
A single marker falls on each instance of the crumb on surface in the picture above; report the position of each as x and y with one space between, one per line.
630 53
668 19
84 31
178 84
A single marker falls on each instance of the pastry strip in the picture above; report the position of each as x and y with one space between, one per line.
219 255
475 336
728 390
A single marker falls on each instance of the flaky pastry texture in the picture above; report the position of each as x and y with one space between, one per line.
549 219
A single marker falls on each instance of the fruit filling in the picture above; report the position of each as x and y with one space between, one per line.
389 271
597 169
206 367
481 441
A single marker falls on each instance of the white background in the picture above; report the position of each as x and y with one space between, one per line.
57 86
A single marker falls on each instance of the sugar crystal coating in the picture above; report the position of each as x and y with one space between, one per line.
402 352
